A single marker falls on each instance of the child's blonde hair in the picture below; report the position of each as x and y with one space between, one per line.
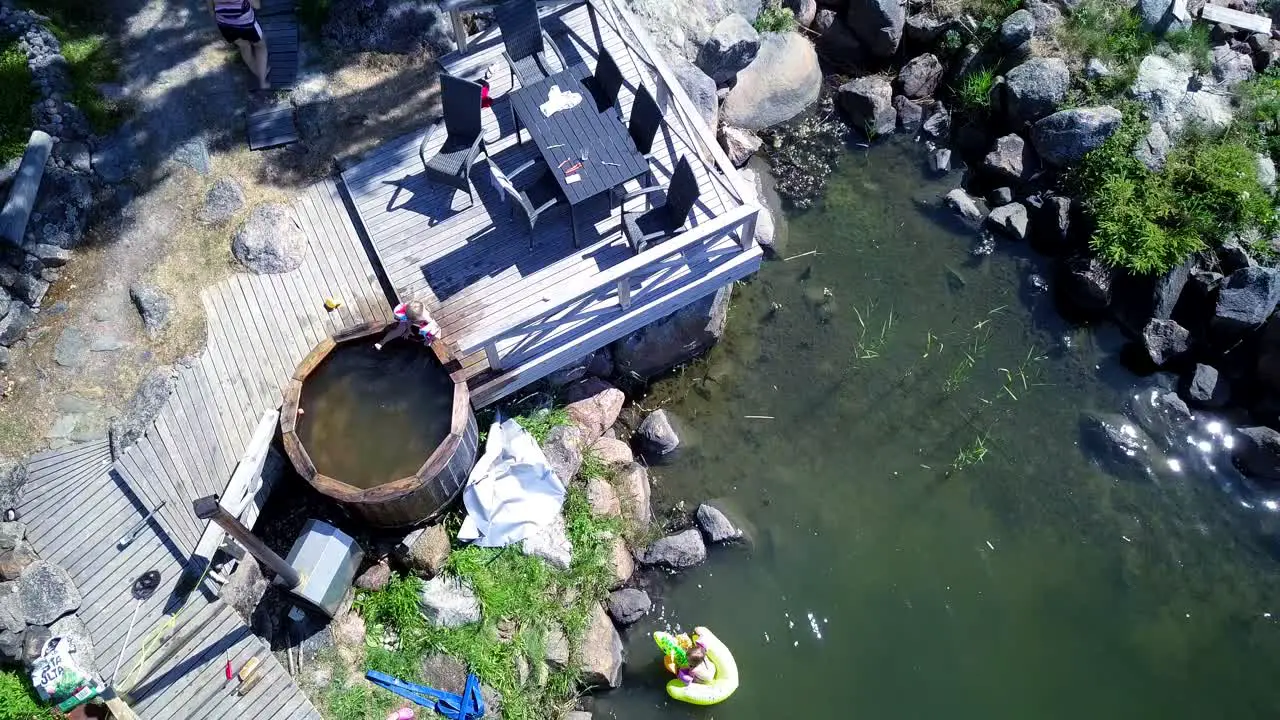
416 312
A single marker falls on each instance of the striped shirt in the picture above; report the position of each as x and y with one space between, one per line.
233 13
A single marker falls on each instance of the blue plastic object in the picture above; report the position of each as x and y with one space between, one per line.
470 706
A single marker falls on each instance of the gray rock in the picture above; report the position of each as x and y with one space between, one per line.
556 648
153 307
612 451
12 533
1164 297
1064 137
675 339
29 288
193 153
600 660
1257 452
674 27
1206 388
1163 87
779 84
603 499
1266 172
223 201
1165 340
700 88
620 562
10 648
270 241
104 339
634 493
1035 88
1011 158
73 628
1000 196
1233 255
1095 69
1116 444
448 602
582 714
374 577
940 163
563 447
1017 29
74 154
628 605
46 593
1048 16
1153 148
593 405
15 561
878 24
143 408
732 46
919 77
1247 298
1157 17
868 101
6 301
910 113
738 144
715 525
72 349
682 550
805 11
938 124
1086 283
964 204
657 434
245 588
1230 67
5 357
425 551
34 640
1010 219
449 674
551 543
50 256
924 29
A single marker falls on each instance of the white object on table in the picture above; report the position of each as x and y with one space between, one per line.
558 100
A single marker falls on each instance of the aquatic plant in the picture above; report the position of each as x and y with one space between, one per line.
970 455
978 338
868 347
1017 377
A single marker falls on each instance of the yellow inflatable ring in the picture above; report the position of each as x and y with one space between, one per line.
725 682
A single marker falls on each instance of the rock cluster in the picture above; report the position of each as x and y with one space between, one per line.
38 600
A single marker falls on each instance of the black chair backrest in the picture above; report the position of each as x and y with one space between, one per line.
521 30
682 193
607 80
461 101
646 118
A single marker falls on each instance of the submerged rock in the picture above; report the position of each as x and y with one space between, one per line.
601 655
1165 340
964 204
657 435
679 551
628 605
715 525
1257 452
1206 388
1115 443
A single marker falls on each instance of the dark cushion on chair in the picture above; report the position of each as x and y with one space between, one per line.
452 157
638 225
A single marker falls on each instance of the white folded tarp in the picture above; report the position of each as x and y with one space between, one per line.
511 493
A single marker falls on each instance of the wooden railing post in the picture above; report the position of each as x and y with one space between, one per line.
748 236
459 30
491 355
624 291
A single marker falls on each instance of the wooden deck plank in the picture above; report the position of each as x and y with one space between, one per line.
217 407
203 454
261 337
372 301
229 377
246 344
326 279
179 461
161 482
143 476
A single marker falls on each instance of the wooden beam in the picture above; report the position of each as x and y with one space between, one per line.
245 482
26 186
1235 18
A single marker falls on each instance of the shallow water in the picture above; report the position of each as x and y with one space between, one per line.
371 417
885 576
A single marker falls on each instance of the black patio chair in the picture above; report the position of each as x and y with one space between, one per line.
606 82
538 196
451 164
524 42
645 122
666 215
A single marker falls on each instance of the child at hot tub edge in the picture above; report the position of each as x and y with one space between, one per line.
413 320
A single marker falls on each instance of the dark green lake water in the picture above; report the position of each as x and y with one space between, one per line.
879 580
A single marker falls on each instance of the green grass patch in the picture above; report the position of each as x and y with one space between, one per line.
1110 31
1195 43
540 423
973 92
15 101
526 597
92 59
774 17
1261 114
18 699
1149 222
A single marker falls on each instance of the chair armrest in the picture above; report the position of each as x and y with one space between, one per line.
531 163
641 193
548 42
426 138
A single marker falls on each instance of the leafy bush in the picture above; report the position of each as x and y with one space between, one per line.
775 18
18 700
973 93
1149 222
15 101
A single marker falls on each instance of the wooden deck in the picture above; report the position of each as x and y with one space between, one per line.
511 314
78 503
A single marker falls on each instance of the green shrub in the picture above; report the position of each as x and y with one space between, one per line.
973 93
1149 222
15 101
91 60
775 18
540 423
1261 99
18 699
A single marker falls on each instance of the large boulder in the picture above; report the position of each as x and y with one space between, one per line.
620 562
564 447
919 77
868 101
1163 87
426 550
628 605
1010 219
1035 88
1165 340
46 593
270 241
1064 137
1010 159
143 409
602 652
602 498
1231 67
781 82
682 550
700 88
1157 16
613 452
1017 29
634 494
657 435
224 201
448 602
1085 283
1247 298
878 24
1257 452
715 525
732 46
675 339
389 26
678 27
594 406
73 628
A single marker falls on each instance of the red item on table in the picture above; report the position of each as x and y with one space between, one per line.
485 100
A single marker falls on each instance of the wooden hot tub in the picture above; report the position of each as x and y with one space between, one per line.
398 496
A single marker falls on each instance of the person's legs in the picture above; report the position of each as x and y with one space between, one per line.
246 53
260 59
